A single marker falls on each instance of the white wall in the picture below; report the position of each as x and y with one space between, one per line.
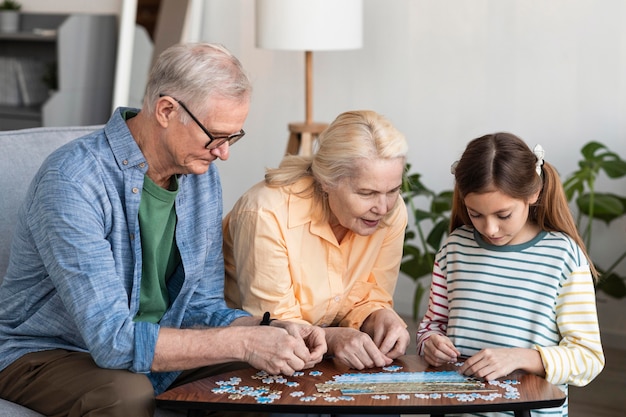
445 72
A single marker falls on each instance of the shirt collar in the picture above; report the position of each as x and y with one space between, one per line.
300 212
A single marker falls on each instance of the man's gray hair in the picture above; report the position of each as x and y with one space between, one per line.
195 73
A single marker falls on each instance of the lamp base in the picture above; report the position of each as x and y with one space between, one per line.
302 136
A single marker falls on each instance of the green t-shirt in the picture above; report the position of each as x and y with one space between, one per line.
157 225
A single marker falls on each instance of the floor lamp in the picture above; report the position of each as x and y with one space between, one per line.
308 25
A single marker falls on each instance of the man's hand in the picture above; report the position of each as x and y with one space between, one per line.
285 349
312 336
388 332
276 351
438 349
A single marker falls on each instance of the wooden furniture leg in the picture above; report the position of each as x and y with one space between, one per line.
302 136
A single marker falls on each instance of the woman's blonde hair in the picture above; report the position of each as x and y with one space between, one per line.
352 136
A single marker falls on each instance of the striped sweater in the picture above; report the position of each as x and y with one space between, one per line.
538 295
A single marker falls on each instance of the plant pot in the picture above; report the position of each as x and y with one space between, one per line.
9 21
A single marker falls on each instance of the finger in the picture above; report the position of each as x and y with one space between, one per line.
353 361
316 343
292 365
473 366
374 357
398 350
275 367
317 354
300 349
377 336
448 352
388 342
310 364
438 356
432 360
400 345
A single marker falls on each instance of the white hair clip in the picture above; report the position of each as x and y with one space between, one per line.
539 154
453 167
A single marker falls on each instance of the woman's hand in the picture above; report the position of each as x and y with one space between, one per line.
388 332
354 348
439 349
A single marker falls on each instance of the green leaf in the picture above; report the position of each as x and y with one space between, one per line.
423 215
438 233
615 168
572 186
613 285
589 149
412 187
409 234
442 202
606 206
417 299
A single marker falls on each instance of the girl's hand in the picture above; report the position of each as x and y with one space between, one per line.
438 350
491 363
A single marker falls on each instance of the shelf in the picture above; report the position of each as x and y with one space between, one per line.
39 35
19 117
21 111
80 49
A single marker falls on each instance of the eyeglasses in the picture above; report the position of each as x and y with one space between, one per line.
214 141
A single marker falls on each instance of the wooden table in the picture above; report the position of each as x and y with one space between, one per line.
533 392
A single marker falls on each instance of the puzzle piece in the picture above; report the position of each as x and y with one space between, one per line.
401 382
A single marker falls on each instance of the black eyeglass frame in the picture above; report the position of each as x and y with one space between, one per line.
214 141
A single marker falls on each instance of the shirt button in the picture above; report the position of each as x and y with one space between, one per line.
141 165
125 162
337 298
135 190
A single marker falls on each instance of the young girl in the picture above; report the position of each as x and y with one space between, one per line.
512 286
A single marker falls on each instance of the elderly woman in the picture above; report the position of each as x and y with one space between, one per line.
320 240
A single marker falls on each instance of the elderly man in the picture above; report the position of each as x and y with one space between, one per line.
115 281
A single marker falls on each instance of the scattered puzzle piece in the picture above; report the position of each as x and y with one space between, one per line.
426 385
308 399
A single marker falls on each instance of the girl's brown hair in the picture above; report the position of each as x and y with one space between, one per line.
503 162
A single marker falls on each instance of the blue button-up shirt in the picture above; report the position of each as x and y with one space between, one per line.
74 273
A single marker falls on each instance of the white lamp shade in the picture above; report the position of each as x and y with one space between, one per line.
309 25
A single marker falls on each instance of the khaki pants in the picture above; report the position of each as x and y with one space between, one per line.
59 383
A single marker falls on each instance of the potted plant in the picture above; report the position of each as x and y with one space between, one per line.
594 205
10 16
420 248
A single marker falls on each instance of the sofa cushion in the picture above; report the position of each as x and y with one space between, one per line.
9 409
21 154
